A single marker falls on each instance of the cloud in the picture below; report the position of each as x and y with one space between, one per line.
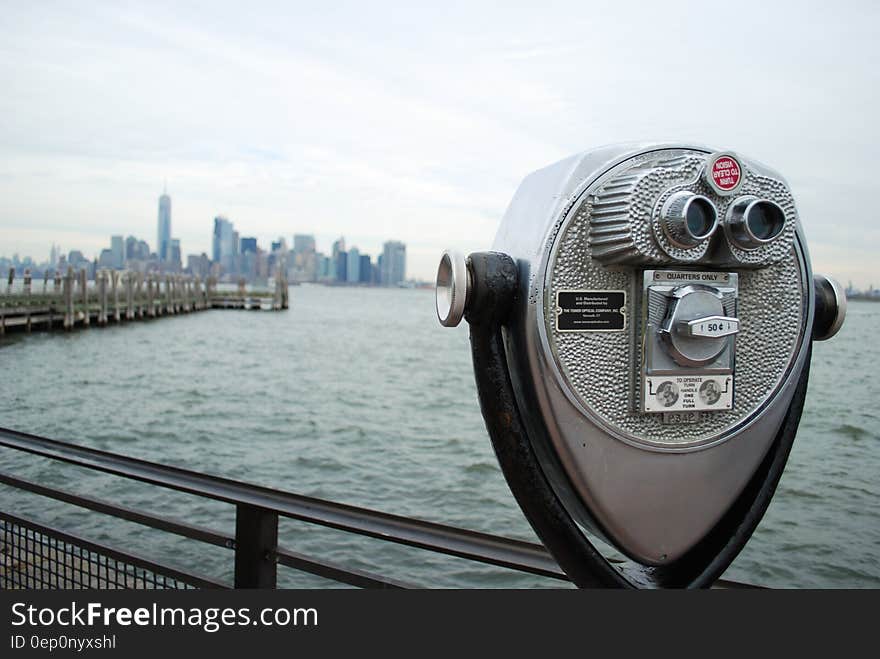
414 123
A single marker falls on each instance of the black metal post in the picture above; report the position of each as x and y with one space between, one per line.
256 547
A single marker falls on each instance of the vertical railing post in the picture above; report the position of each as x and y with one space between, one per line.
256 547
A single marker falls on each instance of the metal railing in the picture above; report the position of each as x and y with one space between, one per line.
257 511
38 556
35 556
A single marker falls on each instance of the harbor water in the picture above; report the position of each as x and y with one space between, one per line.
359 396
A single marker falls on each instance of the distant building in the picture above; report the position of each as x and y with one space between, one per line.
136 250
76 259
393 263
130 247
325 269
198 265
118 249
353 268
224 247
303 243
366 270
338 247
107 259
341 261
54 256
174 256
248 245
163 238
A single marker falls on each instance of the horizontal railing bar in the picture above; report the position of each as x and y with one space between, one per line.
285 557
202 534
474 545
168 524
335 572
134 559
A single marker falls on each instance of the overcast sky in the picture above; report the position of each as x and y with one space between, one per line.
381 121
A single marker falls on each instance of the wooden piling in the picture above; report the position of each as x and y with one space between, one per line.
114 285
74 298
69 318
129 295
102 297
140 295
84 288
151 310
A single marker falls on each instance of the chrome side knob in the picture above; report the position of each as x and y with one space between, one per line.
453 288
830 307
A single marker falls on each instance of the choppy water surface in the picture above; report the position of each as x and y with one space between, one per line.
359 396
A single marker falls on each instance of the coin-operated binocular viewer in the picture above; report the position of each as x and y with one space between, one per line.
641 335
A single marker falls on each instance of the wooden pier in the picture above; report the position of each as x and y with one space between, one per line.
114 296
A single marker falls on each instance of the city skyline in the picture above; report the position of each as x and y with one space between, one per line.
163 228
232 256
423 134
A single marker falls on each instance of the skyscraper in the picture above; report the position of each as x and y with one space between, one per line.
303 243
118 251
393 270
163 241
353 267
340 260
338 246
174 255
366 270
248 245
224 247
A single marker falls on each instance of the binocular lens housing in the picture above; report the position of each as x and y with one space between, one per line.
754 222
689 218
701 217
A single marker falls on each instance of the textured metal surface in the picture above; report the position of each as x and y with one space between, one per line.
625 225
770 306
